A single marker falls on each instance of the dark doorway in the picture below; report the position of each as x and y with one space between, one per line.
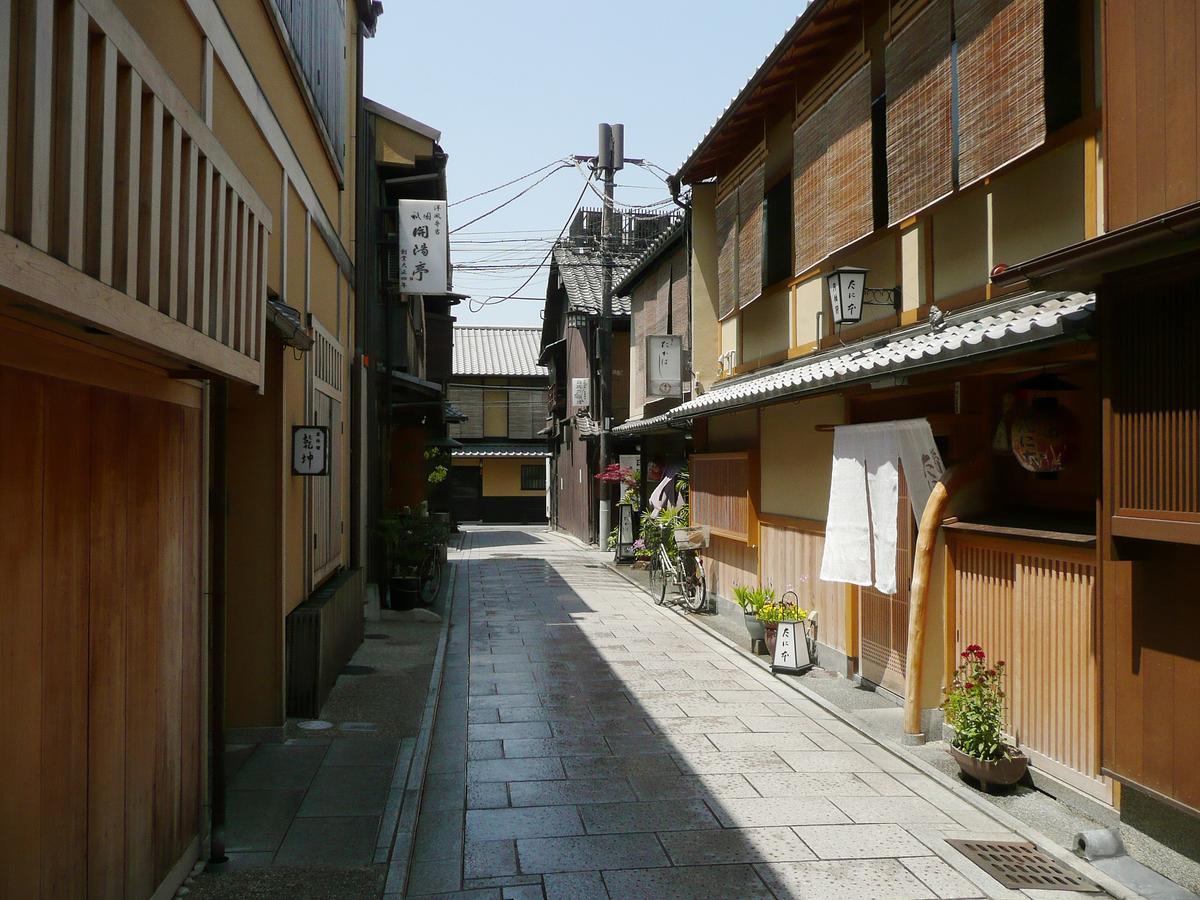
466 493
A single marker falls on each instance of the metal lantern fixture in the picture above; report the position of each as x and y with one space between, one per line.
848 293
576 319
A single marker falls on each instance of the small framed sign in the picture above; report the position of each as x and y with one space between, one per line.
791 649
581 392
310 450
664 365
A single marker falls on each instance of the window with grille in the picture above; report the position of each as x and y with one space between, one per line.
327 366
533 478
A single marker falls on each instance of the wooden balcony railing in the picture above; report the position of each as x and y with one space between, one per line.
114 175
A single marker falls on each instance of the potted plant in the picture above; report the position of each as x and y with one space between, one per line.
974 708
751 600
408 538
770 614
642 554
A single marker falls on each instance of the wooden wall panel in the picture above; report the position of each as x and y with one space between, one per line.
729 564
99 638
108 590
1151 108
21 461
66 535
791 557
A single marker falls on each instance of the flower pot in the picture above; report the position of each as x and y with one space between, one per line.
753 626
770 635
1001 771
403 592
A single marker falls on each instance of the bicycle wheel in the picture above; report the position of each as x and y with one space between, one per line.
695 587
430 575
659 571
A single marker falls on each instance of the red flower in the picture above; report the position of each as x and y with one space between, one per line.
979 654
965 654
992 672
968 686
999 663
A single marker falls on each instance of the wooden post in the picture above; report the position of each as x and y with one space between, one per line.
931 521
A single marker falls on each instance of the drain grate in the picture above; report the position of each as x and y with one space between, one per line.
1020 865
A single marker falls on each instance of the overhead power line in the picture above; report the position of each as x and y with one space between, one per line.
476 306
516 196
498 187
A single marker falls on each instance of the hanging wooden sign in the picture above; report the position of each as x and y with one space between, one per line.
791 649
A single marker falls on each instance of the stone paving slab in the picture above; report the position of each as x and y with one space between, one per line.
604 851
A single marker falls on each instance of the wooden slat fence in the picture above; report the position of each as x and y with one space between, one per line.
1033 605
790 552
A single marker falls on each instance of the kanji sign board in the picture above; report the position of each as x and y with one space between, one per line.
424 248
310 450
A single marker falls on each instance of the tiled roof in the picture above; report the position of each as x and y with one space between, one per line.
1040 316
503 451
497 351
582 272
648 256
641 426
586 425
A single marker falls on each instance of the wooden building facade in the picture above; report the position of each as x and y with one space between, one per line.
870 138
168 199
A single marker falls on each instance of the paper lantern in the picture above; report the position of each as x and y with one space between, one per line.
1044 435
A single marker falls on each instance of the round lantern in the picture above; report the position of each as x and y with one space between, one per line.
1043 436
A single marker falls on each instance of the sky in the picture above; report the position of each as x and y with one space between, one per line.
514 86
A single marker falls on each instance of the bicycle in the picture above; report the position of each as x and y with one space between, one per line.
429 573
685 571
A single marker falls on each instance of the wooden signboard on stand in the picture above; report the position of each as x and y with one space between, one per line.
791 649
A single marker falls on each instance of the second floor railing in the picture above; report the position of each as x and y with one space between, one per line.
114 174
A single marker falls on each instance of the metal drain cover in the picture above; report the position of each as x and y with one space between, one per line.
1020 865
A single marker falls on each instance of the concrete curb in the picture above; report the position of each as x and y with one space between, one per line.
411 782
961 791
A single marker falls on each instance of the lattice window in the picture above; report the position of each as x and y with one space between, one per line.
328 368
469 401
720 493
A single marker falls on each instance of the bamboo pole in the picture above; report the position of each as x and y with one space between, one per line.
931 521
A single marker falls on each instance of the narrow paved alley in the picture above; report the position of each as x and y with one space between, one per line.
613 751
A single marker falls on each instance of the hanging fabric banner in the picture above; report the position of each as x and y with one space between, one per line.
860 530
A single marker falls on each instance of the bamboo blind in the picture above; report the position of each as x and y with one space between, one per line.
919 138
469 401
1001 83
720 493
727 255
750 235
832 172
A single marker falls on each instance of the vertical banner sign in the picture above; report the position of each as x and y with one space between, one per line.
791 649
630 461
664 365
424 247
310 450
581 392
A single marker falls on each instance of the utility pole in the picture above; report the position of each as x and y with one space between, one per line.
611 157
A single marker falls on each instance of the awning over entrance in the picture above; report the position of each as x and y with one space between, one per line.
659 423
1017 322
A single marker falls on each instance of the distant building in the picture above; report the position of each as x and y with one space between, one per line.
498 473
574 296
